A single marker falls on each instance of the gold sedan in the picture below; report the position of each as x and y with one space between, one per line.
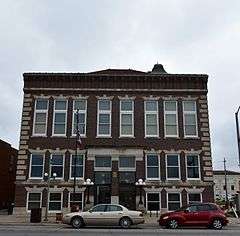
104 215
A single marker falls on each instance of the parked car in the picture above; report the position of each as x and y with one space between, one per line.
104 215
201 214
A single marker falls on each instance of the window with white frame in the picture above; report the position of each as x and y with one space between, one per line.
57 165
152 166
78 160
40 117
174 201
153 201
104 117
103 161
173 166
190 118
34 200
194 198
76 200
60 117
36 166
151 118
127 162
81 106
193 167
127 118
170 119
55 202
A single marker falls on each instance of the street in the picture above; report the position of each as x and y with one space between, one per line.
60 230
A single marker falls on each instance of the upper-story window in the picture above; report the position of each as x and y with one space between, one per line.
151 118
152 166
36 166
103 162
60 118
127 163
104 117
171 119
173 166
126 118
190 119
57 165
40 117
193 167
77 163
81 106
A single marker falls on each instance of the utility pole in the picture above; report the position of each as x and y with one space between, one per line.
225 174
238 135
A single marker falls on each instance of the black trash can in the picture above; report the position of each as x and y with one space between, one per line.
36 215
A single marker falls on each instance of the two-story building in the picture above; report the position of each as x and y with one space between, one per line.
134 125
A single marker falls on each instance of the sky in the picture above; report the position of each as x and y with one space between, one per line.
186 36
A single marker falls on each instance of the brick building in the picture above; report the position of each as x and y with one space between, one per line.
8 164
134 125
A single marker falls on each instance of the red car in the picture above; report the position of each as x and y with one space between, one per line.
199 214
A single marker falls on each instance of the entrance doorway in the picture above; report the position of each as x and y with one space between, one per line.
127 196
102 194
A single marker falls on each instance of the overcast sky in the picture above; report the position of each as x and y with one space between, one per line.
186 36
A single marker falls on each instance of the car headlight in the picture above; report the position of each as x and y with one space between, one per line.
165 217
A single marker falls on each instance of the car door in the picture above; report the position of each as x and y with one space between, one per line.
191 215
203 214
95 216
113 214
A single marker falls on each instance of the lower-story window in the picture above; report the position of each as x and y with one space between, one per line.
34 201
174 201
55 202
194 198
77 201
153 201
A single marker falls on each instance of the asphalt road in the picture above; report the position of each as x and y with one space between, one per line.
138 231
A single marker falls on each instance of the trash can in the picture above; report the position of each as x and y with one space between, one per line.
36 215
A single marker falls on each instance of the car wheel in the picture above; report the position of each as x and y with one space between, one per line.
172 224
217 224
77 222
125 223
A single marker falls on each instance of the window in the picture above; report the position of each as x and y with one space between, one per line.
37 163
57 165
126 118
153 201
224 187
81 105
98 208
151 119
194 198
79 166
152 166
174 201
193 171
40 117
190 118
173 167
104 118
171 119
60 118
127 177
103 177
114 208
34 201
77 201
126 162
232 187
55 202
102 161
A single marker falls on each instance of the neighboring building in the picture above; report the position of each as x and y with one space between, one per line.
133 124
233 184
8 164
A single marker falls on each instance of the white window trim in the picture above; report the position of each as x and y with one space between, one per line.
190 113
179 166
199 165
129 113
194 193
159 193
70 172
34 119
127 168
28 211
80 112
63 165
69 199
146 166
171 113
107 112
59 211
180 199
145 119
60 111
30 166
